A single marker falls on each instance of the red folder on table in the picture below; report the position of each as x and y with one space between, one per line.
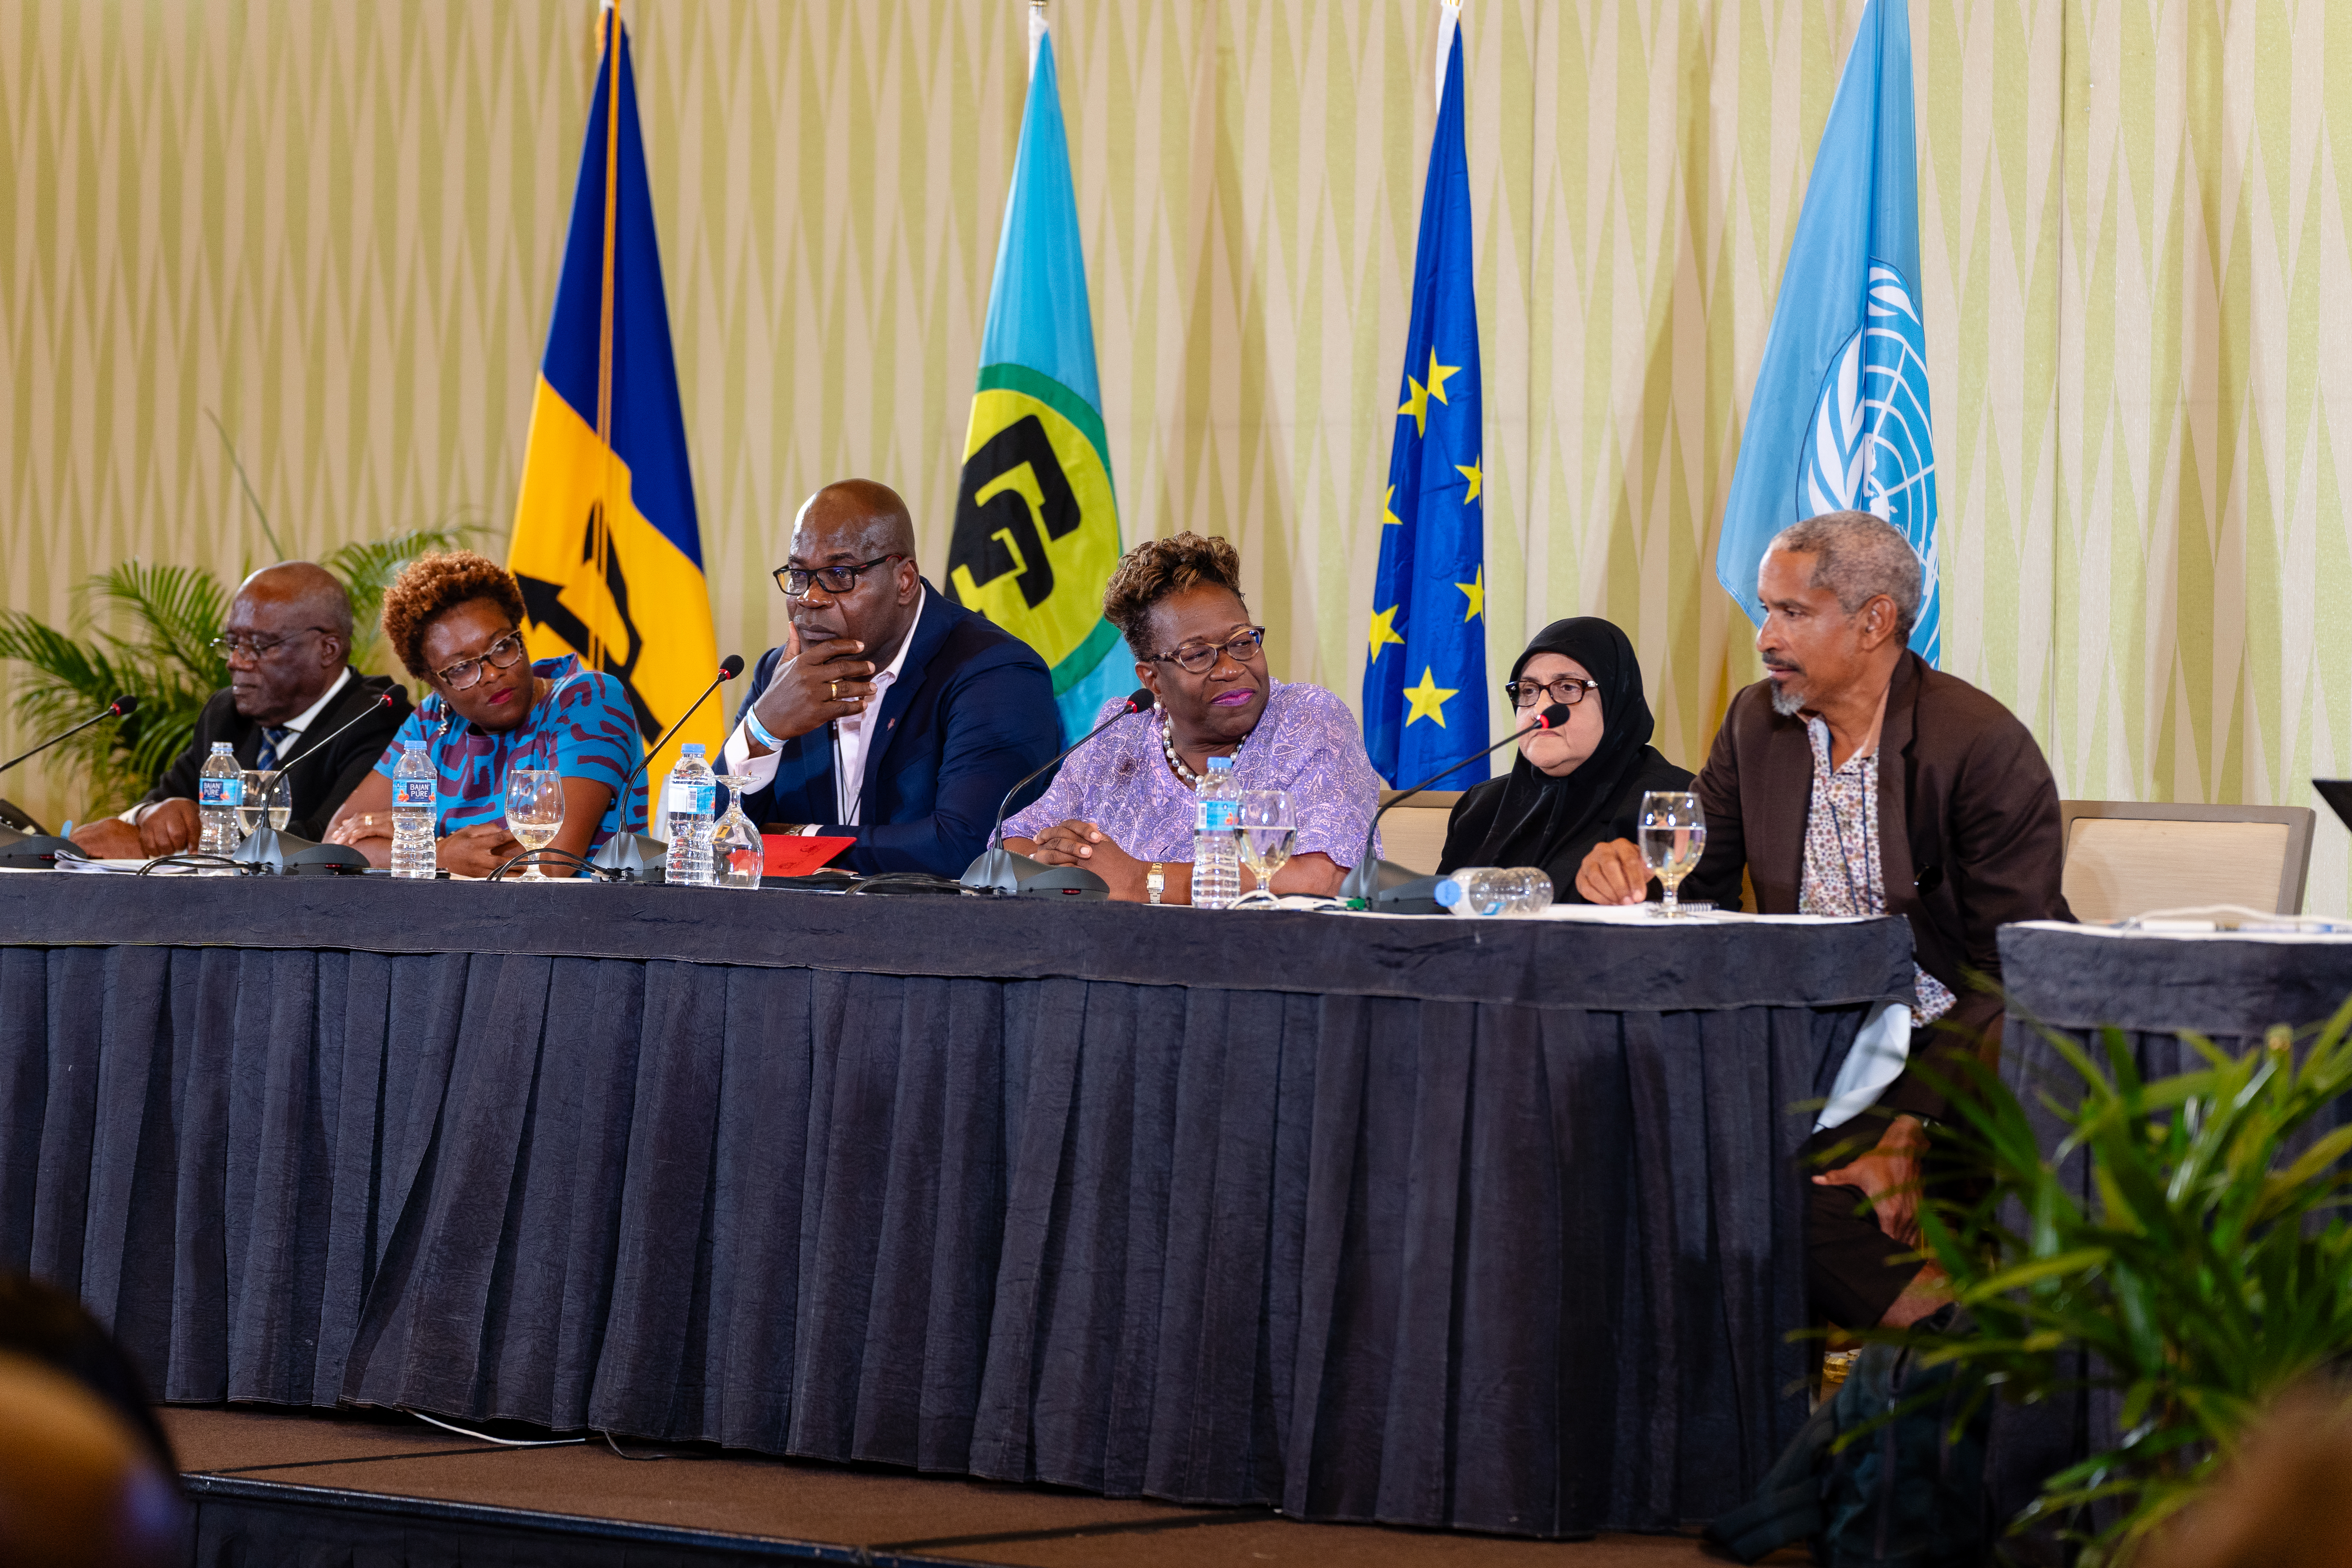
789 854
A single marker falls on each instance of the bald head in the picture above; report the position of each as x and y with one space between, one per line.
857 517
77 1485
297 619
861 524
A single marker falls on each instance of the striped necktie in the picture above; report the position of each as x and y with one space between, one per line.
272 737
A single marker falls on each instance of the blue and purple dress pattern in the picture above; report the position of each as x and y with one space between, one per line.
584 728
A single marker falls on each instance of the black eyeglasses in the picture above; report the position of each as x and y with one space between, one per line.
1567 688
468 672
1242 645
835 580
237 644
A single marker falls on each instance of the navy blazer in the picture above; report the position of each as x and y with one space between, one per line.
973 710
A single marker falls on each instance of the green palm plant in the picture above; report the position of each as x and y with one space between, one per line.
165 658
2206 1272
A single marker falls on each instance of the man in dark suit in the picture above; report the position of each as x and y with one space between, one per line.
894 716
1854 779
288 641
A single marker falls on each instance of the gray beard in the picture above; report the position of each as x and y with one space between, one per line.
1788 701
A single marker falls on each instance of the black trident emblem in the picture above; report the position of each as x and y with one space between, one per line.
1000 537
541 603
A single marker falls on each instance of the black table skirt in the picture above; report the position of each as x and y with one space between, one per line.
1484 1225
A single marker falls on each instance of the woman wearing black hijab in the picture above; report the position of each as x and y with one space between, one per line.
1574 786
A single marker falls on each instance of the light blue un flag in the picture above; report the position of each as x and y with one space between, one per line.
1840 419
1425 681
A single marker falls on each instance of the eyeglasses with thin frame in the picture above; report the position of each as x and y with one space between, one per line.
1568 689
835 580
468 672
1242 645
237 645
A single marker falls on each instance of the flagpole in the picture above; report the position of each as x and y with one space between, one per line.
602 542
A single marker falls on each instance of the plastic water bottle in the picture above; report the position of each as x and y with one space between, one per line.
413 790
688 801
1216 857
220 790
1487 890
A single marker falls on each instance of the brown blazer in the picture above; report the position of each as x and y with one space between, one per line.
1968 829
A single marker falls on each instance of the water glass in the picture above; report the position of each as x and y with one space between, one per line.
736 852
534 812
1674 835
266 793
1266 833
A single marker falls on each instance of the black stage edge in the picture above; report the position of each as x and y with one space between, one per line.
241 1522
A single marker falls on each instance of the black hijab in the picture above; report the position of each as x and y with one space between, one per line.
1535 819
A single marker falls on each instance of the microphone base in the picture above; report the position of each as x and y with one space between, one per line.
1392 889
1000 870
36 851
16 823
633 858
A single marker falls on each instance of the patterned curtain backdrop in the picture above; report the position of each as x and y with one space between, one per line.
334 224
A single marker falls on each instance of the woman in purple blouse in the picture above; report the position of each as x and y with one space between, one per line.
1123 806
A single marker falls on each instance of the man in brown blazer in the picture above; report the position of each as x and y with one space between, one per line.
1854 779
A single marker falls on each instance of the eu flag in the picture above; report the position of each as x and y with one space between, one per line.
1425 680
1840 418
606 545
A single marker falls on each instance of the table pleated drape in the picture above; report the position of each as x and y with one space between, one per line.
1487 1225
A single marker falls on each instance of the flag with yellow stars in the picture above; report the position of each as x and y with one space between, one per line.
1425 680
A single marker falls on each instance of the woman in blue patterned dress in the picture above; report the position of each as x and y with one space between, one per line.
456 621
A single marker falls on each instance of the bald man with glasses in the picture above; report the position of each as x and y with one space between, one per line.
894 716
287 644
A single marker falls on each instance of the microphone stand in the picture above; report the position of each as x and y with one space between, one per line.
1373 882
41 849
998 871
629 856
114 710
288 853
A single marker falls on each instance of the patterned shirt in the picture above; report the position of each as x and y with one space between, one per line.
1842 870
584 728
1306 742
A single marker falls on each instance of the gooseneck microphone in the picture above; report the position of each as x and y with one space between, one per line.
1371 880
117 709
999 869
288 853
640 856
310 748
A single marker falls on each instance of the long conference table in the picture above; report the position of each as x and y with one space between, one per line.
1481 1224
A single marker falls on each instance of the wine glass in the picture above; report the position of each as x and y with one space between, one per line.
534 812
1266 831
737 853
1672 835
267 793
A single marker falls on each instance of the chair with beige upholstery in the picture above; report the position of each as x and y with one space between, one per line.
2126 858
1413 834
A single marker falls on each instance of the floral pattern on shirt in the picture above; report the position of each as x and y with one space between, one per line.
1841 867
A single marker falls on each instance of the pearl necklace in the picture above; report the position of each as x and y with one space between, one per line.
1167 745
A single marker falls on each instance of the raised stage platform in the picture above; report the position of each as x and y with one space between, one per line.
317 1490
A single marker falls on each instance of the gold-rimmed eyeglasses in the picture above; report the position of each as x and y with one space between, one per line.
1197 657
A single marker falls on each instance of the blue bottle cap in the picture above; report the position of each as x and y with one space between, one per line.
691 749
1221 765
1449 892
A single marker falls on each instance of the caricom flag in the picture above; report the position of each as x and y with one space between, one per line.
605 542
1425 677
1036 520
1840 418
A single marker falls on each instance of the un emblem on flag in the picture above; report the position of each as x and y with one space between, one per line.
1873 443
1036 530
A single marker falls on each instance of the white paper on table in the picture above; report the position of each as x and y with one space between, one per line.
1879 1053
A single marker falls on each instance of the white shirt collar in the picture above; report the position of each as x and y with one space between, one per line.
922 597
302 721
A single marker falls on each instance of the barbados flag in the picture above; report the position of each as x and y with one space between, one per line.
1036 520
1839 421
605 542
1425 683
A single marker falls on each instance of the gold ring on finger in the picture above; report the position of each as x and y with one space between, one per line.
833 690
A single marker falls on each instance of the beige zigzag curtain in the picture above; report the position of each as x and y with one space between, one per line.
335 224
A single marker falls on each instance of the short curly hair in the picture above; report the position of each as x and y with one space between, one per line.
1159 567
431 586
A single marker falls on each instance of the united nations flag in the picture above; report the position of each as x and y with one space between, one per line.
1425 680
606 545
1037 523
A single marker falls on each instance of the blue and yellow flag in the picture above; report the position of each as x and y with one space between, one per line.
1036 520
1425 683
606 541
1840 418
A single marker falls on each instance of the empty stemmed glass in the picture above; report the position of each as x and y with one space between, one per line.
1266 829
736 851
1674 835
534 813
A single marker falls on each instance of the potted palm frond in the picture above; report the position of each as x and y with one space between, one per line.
2180 1253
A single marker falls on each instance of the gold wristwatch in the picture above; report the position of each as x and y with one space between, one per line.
1155 880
